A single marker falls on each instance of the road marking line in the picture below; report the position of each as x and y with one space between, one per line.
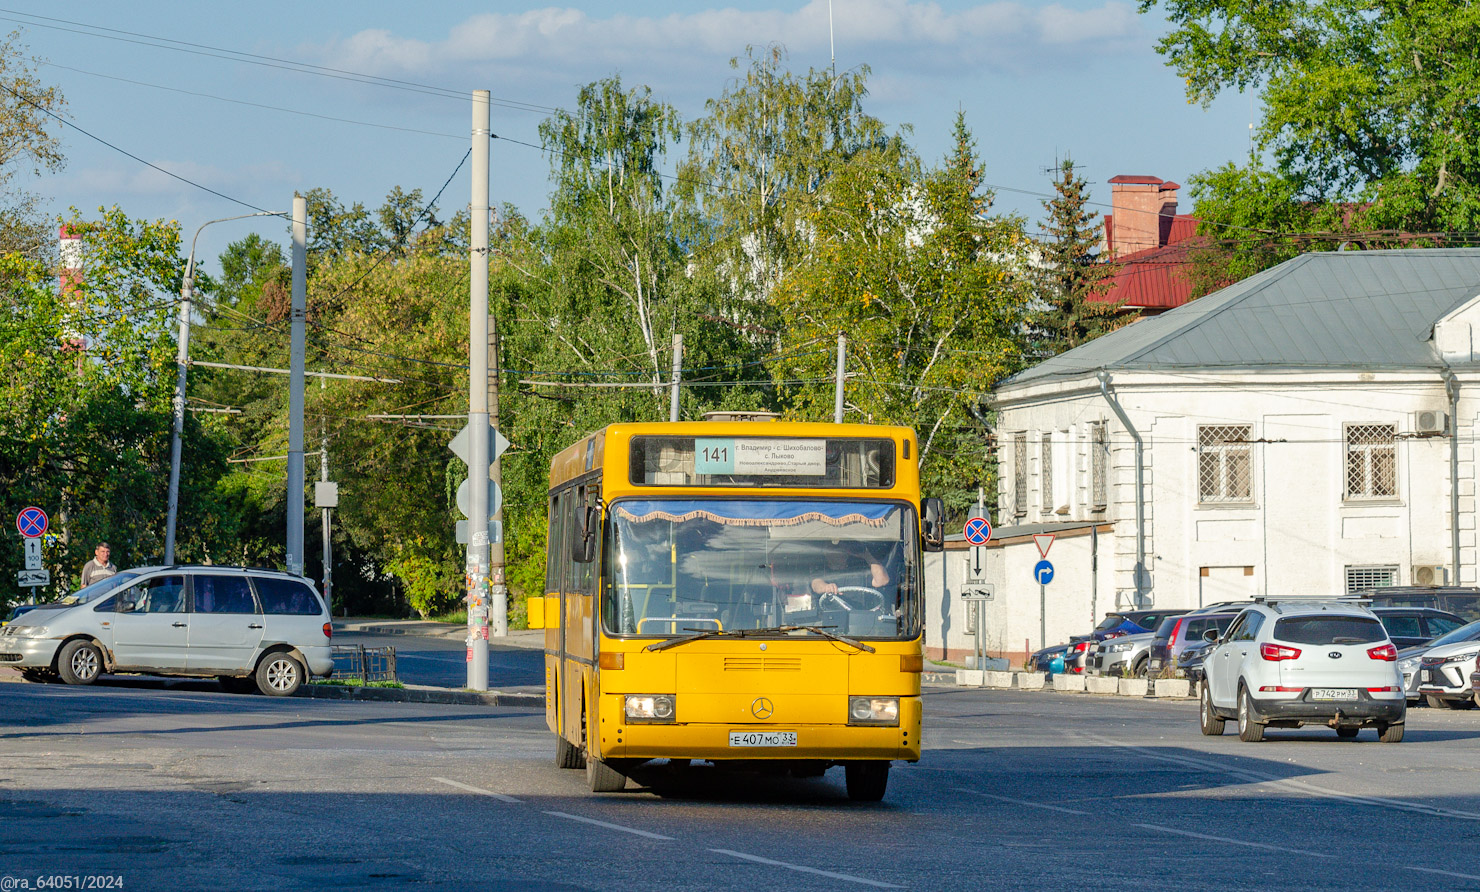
1447 873
1298 786
847 878
1060 808
1231 841
634 831
480 791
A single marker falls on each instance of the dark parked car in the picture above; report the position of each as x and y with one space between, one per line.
1462 601
1412 626
1178 633
1041 660
1131 622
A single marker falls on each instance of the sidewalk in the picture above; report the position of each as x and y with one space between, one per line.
531 639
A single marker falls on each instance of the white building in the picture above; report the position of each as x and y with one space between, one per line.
1309 430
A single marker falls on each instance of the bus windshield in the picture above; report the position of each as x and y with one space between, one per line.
680 566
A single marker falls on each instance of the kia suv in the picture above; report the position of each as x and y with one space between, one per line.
245 627
1288 663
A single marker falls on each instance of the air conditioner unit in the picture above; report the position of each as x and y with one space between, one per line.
1430 423
1430 574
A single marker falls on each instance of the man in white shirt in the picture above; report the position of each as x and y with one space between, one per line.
98 568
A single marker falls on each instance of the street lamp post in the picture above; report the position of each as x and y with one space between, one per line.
182 359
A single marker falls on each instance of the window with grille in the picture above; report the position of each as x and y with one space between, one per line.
1225 463
1045 473
1020 474
1360 579
1371 461
1099 457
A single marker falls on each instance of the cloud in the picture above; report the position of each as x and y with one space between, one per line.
903 35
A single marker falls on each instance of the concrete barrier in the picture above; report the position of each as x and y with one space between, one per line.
997 679
1028 681
1131 687
969 677
1068 682
1101 684
1171 687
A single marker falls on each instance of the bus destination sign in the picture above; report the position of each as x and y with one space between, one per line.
760 457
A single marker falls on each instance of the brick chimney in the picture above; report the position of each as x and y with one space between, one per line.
69 280
1142 217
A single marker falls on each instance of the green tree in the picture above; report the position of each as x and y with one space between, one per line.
1072 304
931 289
1369 108
28 144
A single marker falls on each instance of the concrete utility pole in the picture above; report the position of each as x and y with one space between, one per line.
328 588
478 448
182 362
677 372
498 591
838 385
294 505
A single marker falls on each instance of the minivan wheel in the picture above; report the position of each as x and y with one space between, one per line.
279 674
1249 730
80 662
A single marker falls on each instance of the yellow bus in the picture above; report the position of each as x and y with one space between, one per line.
737 590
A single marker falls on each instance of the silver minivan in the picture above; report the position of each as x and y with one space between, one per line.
248 628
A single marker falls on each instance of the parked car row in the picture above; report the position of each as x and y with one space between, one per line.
248 628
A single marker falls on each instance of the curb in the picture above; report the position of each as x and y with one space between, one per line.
420 695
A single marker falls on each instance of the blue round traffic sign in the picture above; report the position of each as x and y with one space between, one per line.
32 522
1043 572
978 530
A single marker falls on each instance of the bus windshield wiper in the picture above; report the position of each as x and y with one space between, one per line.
816 630
698 635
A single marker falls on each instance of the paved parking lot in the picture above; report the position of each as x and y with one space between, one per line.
189 788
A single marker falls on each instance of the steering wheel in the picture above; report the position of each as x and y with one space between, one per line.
871 599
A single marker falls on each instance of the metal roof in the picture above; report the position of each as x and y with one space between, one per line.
1331 310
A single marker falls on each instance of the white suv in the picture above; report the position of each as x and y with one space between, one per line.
1287 663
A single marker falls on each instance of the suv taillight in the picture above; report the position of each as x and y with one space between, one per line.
328 630
1172 638
1276 652
1383 652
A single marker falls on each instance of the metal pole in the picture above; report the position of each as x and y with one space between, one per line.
295 504
182 362
677 372
1042 616
498 590
1451 387
838 384
1141 574
478 551
324 476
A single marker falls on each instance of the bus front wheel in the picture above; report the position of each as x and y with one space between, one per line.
604 778
866 780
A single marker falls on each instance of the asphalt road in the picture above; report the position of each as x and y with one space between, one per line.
443 661
193 789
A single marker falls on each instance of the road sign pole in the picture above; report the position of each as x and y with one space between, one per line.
1042 616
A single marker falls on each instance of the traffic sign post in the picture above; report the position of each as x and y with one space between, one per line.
33 579
978 532
1043 573
33 553
975 597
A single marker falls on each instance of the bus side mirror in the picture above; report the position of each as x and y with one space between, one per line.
934 511
583 546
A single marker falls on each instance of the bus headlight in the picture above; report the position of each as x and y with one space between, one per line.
650 707
873 710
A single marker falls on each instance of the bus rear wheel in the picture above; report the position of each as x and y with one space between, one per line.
866 780
567 754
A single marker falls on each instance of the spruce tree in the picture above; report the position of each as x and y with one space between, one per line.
1072 308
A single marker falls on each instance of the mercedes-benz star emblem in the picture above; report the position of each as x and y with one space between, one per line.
1335 654
762 708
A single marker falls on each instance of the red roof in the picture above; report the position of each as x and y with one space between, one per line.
1136 179
1154 279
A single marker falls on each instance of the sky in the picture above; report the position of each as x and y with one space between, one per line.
175 84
